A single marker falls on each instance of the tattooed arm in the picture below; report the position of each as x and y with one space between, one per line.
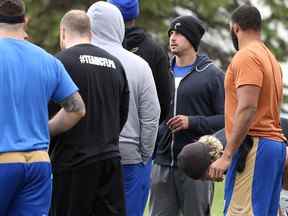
73 109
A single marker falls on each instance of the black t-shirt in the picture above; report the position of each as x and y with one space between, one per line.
102 84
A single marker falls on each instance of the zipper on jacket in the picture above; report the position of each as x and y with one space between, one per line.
173 136
174 114
175 103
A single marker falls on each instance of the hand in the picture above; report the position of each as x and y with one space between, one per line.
218 167
177 123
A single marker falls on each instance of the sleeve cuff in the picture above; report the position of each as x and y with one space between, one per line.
191 122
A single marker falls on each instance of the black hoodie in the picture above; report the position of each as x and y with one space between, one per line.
141 43
200 96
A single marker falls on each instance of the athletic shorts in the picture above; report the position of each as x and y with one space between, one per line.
25 183
92 189
256 190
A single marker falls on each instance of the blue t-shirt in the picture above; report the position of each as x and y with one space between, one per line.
29 78
180 72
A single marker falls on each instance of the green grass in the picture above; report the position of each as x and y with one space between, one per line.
218 202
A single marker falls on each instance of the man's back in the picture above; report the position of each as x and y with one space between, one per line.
29 77
264 72
139 133
104 89
138 136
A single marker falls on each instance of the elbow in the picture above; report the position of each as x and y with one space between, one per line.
250 110
158 111
80 113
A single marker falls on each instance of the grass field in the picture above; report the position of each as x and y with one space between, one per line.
218 202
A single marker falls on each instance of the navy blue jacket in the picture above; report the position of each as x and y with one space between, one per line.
200 96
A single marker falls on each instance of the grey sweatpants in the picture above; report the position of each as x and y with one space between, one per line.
175 194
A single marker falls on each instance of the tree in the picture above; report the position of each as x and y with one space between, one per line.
216 14
156 14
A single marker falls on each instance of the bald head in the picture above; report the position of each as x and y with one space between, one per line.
74 28
76 21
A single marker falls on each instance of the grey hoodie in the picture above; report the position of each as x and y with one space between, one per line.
138 136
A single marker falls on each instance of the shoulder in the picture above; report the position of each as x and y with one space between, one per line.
32 50
215 70
151 44
249 55
138 61
99 52
37 49
44 57
138 65
212 70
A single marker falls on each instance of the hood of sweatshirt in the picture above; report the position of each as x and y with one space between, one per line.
134 36
201 63
107 24
139 132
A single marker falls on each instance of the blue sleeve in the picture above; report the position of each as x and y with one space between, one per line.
65 85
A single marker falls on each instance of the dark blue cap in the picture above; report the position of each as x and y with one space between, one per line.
128 8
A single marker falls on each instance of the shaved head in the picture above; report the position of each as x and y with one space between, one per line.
76 22
74 27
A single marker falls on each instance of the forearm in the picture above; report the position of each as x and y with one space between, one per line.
63 121
242 122
73 110
204 125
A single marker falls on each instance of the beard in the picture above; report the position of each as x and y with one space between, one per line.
234 40
175 50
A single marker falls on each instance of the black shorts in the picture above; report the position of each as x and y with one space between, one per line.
94 189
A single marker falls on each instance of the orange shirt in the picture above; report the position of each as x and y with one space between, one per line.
256 65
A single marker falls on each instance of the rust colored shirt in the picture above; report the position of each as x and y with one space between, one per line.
256 65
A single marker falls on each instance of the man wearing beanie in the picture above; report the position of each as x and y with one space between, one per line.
29 79
137 139
141 43
198 110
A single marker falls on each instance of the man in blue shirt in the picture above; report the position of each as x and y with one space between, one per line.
29 78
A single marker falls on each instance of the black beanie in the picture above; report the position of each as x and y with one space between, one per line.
190 27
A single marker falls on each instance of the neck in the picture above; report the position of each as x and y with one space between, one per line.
186 58
20 34
76 41
248 38
130 24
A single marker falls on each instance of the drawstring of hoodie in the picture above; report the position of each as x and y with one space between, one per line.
197 69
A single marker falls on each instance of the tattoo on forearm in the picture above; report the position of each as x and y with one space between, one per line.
73 103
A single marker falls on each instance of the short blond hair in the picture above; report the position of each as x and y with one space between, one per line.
76 21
